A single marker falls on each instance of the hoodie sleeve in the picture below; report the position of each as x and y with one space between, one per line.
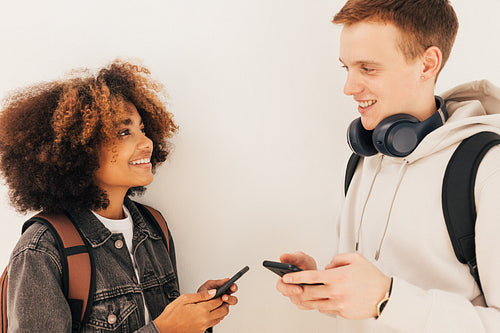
412 309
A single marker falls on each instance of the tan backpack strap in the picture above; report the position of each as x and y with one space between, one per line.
3 301
160 220
78 259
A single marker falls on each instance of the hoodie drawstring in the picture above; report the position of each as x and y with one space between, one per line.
402 170
379 166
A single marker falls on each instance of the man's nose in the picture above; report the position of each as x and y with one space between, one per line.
352 85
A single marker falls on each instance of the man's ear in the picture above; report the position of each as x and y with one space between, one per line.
432 61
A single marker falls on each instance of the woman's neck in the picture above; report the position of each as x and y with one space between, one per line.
114 210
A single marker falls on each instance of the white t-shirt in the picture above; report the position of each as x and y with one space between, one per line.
126 228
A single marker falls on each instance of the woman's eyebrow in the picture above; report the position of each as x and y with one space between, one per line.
129 121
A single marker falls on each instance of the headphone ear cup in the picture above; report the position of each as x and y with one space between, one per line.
397 135
360 139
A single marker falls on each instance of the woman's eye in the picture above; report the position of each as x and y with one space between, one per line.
124 133
143 130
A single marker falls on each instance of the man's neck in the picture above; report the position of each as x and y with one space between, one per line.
427 107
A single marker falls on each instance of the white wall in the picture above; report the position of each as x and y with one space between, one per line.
256 88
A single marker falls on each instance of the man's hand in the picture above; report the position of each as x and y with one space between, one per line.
293 291
352 287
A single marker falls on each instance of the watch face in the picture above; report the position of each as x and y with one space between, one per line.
381 305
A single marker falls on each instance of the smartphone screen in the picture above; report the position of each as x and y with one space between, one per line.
224 288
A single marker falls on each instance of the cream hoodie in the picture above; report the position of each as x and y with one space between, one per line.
393 210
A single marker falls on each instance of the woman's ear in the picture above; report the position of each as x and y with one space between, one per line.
432 61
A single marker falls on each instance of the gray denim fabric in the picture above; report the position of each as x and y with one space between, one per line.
35 299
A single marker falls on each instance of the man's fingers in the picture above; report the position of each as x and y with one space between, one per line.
323 305
288 289
297 259
343 259
304 277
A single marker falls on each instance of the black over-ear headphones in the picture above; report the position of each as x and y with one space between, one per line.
397 135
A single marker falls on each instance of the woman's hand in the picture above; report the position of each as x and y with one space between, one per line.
194 313
214 284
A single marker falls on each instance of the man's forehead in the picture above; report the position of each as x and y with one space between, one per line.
367 31
369 43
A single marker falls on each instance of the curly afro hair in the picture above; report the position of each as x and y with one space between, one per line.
50 134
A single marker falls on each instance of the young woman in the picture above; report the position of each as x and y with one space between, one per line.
83 146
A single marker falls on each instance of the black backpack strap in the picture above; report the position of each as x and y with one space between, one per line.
78 271
350 169
458 200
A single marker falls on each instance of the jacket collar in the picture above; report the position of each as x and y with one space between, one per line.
97 234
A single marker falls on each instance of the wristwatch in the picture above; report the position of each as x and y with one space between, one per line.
381 305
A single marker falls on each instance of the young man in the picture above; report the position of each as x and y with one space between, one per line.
396 270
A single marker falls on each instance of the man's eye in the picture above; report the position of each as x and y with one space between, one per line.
345 67
367 70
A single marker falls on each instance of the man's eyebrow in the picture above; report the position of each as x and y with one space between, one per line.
363 62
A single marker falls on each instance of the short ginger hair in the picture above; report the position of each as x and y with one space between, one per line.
51 133
422 23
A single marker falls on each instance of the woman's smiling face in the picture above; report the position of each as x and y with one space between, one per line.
126 162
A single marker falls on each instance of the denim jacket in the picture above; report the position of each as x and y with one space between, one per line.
35 298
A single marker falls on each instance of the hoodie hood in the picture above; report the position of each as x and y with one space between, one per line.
472 108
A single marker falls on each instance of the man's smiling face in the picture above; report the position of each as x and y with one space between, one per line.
380 78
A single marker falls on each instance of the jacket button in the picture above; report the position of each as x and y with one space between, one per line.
119 244
112 319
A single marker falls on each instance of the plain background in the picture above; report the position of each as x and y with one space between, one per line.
256 88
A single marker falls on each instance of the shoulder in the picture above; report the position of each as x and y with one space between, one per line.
489 169
143 210
491 162
36 240
487 182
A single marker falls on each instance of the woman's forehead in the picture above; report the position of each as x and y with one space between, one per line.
131 114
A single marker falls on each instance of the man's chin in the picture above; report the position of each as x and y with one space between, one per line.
368 124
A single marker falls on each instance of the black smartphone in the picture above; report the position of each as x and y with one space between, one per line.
282 268
222 289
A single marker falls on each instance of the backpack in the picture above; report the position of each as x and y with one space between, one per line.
459 208
78 269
